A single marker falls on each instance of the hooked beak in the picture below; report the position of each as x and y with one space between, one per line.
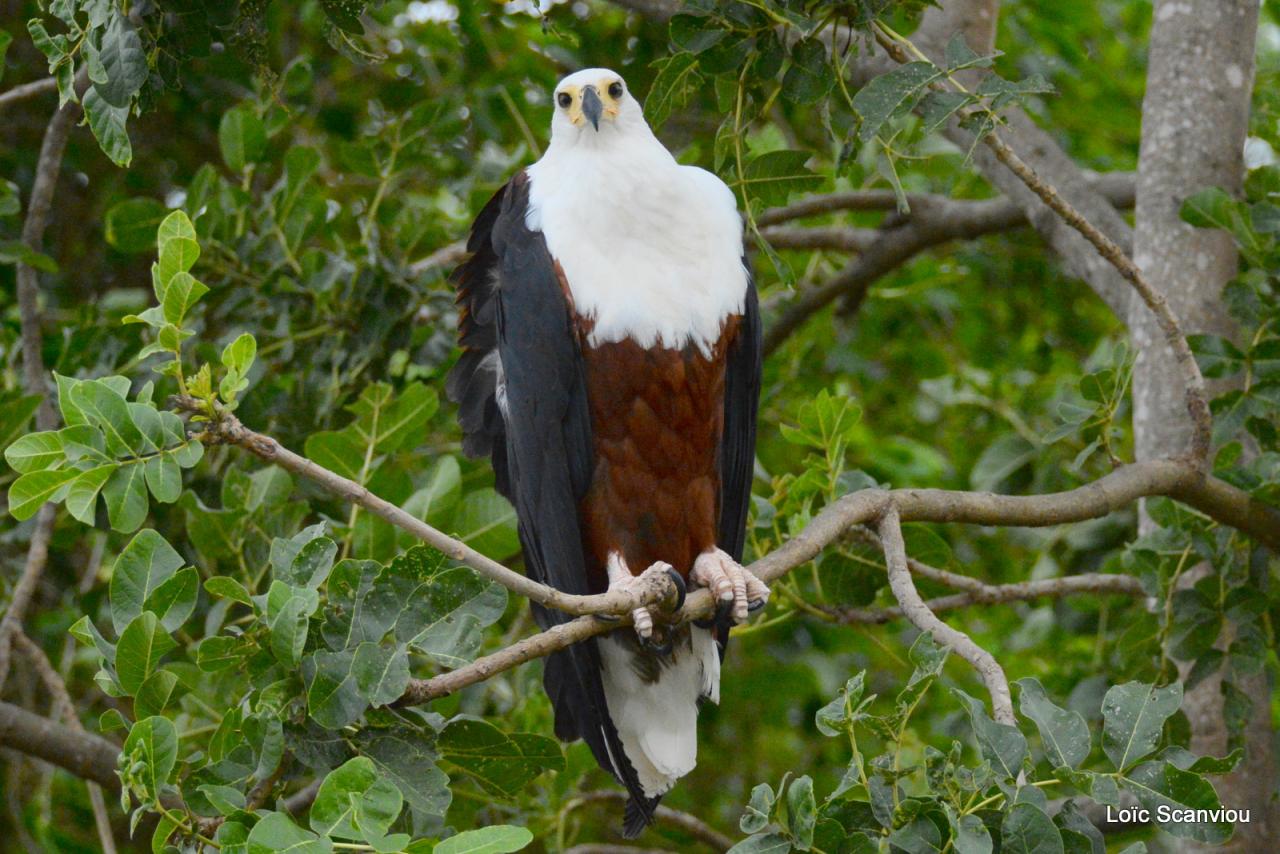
592 107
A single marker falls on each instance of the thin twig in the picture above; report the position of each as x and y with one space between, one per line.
1021 591
689 823
915 610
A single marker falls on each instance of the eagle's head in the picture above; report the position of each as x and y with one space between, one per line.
594 103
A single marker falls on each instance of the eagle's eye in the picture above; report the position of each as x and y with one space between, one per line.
615 89
564 99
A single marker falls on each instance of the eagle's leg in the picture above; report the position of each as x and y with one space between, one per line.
620 578
735 586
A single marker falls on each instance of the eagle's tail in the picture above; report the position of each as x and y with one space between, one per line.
638 815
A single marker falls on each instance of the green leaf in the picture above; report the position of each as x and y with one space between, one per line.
288 614
359 609
152 741
677 76
1216 355
164 478
180 294
802 811
1003 458
1027 830
154 693
15 415
108 126
29 492
1064 733
1133 716
503 764
242 137
354 803
762 843
240 353
772 177
276 833
82 495
487 522
142 644
445 614
497 839
130 225
312 564
891 94
407 759
759 808
123 60
1002 745
337 451
17 252
387 424
333 699
225 587
382 673
126 497
35 452
810 76
1173 796
147 562
175 600
103 406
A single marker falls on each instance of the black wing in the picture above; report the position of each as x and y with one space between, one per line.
738 444
521 388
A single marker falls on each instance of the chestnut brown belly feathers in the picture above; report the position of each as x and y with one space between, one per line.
657 415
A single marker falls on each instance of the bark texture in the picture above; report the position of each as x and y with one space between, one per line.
1195 119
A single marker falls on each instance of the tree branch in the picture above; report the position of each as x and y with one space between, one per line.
989 594
1092 501
27 90
690 824
227 429
915 610
48 166
87 756
66 709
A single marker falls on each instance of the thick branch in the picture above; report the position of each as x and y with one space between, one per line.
1108 494
915 610
27 90
87 756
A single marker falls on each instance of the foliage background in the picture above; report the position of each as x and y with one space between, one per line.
329 165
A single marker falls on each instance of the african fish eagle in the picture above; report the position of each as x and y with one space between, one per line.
610 370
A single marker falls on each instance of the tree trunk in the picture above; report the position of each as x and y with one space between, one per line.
1194 122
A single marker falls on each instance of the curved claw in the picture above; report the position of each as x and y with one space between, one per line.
659 649
681 588
754 605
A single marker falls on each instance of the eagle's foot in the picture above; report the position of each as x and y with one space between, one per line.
620 578
735 587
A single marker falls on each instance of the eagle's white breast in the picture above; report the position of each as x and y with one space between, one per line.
651 250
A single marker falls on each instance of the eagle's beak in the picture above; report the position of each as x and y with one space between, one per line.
592 107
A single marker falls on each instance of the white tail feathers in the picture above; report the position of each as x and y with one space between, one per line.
657 721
